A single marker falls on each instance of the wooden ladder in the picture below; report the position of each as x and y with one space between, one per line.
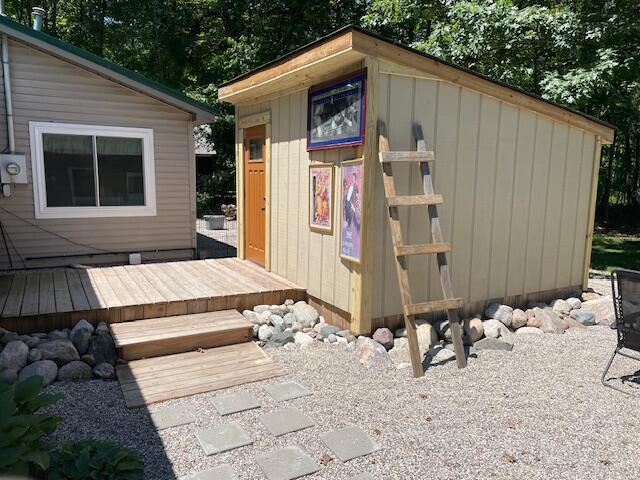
402 251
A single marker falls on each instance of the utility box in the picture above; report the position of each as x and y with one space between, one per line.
13 168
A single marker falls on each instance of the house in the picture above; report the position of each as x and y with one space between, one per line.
518 175
107 157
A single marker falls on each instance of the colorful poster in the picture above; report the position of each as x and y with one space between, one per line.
321 197
350 232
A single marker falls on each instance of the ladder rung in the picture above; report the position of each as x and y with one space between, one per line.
410 156
430 307
426 248
408 200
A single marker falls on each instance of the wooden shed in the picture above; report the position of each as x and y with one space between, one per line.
518 175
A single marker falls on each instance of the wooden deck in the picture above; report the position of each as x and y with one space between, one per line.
36 301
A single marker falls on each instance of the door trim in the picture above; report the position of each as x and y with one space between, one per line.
241 125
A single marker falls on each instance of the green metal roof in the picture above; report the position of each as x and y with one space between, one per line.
119 73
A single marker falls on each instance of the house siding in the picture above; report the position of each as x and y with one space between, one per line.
46 88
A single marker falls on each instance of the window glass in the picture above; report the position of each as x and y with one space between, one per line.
255 149
120 171
68 168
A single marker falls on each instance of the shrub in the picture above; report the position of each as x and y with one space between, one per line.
95 460
22 429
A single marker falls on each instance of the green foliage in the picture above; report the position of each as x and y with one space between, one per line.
22 429
94 460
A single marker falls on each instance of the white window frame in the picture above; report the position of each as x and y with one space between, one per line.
36 129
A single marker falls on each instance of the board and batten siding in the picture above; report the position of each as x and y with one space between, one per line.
46 88
310 259
516 189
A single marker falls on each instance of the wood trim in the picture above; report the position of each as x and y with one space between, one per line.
267 190
255 119
192 185
592 211
240 188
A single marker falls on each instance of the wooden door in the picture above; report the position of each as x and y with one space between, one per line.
254 194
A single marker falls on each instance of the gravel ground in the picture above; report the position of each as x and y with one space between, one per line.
536 412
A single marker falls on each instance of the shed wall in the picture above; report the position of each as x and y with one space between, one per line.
46 88
516 189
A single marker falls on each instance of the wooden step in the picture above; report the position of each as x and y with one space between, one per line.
422 249
409 200
431 307
173 376
182 333
411 156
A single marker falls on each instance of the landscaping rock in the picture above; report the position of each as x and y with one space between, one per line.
88 359
384 337
257 318
81 335
305 313
303 339
400 332
587 296
280 339
328 330
288 302
584 316
7 337
438 354
14 356
39 335
494 329
442 329
290 319
332 338
74 371
561 306
265 332
602 308
31 342
34 355
277 321
8 375
60 351
346 334
280 310
534 322
502 313
102 329
571 323
296 327
104 371
493 344
473 329
47 369
574 302
103 349
519 319
530 330
319 326
261 308
427 337
57 335
550 322
370 354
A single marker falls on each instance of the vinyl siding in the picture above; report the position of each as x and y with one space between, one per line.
46 88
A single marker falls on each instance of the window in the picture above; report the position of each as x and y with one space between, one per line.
84 171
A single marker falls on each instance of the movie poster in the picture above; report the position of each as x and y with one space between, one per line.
350 231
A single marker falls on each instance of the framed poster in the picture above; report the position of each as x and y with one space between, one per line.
336 112
321 197
351 224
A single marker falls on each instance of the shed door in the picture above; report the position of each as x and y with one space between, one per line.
254 193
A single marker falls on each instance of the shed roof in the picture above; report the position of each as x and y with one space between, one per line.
312 63
201 112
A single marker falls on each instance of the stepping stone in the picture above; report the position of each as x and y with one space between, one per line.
349 443
171 417
222 438
235 402
223 472
362 476
282 392
285 421
287 463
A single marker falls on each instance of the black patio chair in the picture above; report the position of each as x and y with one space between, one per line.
625 285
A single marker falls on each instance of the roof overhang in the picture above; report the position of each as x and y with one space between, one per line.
318 61
200 113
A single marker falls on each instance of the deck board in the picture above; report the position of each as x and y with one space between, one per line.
36 300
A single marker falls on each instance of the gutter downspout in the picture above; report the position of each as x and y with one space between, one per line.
6 78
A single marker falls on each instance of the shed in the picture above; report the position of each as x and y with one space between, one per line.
108 156
518 175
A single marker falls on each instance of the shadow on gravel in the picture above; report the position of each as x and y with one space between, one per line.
431 354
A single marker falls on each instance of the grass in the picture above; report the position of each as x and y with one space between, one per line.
611 251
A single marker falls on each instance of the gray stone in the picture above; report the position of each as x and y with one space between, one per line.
60 351
280 310
305 313
254 330
438 354
261 308
288 302
277 321
14 356
8 337
221 472
400 332
74 371
280 339
571 323
362 476
104 371
473 329
103 349
102 329
172 417
493 344
296 327
265 332
257 318
31 342
281 392
400 352
319 326
328 330
589 295
88 359
287 463
58 335
332 338
303 339
235 402
34 355
349 443
550 322
529 330
518 319
494 329
47 369
584 316
8 375
427 337
222 438
346 334
371 354
290 319
285 421
602 308
561 306
502 313
384 337
80 335
575 302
